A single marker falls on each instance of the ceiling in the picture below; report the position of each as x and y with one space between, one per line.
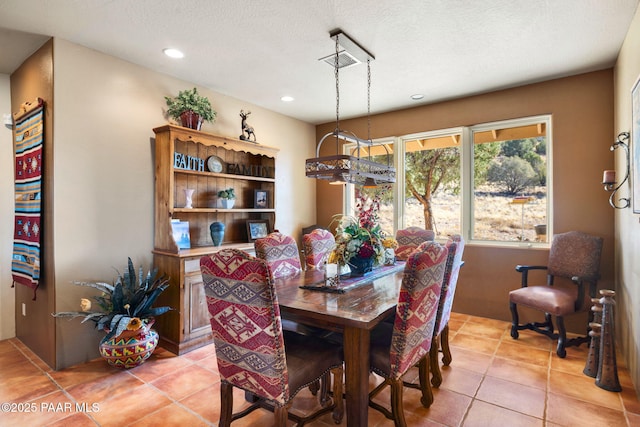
258 51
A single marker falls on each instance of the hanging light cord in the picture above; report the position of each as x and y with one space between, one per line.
337 76
369 101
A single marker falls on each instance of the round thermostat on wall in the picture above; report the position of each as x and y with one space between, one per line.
215 164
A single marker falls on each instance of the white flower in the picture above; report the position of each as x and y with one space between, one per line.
85 304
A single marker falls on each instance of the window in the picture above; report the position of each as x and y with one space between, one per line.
509 185
431 175
488 182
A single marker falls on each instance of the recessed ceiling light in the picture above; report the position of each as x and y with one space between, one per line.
173 53
417 96
287 98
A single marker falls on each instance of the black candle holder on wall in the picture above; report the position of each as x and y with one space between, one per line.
625 202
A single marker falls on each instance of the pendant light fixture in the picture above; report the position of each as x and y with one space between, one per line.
342 168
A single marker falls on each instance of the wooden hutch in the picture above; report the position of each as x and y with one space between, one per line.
181 162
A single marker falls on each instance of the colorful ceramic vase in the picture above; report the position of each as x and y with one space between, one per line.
130 348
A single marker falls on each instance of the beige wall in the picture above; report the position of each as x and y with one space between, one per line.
105 111
7 294
627 227
582 114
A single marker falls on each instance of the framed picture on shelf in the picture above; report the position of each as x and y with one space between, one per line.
257 229
261 199
635 146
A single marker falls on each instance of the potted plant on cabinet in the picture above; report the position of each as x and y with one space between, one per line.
227 198
126 315
190 108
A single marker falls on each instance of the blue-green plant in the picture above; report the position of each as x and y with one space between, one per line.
126 304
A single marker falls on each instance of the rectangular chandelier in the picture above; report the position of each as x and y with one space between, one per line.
347 168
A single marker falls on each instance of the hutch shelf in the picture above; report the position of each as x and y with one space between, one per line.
181 162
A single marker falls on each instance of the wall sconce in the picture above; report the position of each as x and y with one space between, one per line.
609 176
8 121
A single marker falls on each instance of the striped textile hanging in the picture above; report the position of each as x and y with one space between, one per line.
25 265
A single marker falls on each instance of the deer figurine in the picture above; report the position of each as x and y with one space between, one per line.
246 128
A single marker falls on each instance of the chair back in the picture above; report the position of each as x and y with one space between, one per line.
575 254
317 245
409 239
281 254
417 307
246 325
455 248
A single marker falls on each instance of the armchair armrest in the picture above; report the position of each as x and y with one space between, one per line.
524 270
578 280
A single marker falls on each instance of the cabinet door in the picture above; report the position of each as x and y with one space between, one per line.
198 312
197 303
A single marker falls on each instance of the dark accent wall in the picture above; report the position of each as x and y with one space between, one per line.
36 329
582 125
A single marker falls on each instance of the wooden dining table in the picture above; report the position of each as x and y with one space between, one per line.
362 306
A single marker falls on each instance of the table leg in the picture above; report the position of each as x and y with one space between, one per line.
356 360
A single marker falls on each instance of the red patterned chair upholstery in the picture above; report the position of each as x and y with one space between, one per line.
317 245
397 347
574 258
252 351
455 247
280 252
409 239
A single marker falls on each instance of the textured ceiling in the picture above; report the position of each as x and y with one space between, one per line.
258 51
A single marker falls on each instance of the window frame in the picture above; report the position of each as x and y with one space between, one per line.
466 175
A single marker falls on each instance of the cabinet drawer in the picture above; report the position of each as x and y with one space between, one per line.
191 266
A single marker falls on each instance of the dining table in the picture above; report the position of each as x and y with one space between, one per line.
353 308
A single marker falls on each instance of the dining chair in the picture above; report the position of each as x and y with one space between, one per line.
281 255
409 239
280 252
574 259
316 247
397 347
455 249
253 353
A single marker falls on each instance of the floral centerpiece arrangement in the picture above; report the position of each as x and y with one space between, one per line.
126 314
360 240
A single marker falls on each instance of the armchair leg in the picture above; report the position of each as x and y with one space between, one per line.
562 337
514 320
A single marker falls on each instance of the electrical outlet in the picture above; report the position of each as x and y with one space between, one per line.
24 309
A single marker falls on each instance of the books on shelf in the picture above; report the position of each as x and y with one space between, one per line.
181 233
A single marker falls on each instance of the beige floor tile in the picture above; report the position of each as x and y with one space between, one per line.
568 411
519 372
583 388
475 343
525 354
487 383
185 381
481 330
483 414
513 396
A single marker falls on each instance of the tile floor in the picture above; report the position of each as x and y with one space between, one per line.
493 381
